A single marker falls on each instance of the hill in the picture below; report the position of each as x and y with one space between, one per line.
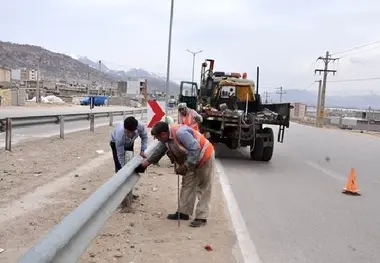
59 66
310 98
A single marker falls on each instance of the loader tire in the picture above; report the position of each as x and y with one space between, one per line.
257 152
268 151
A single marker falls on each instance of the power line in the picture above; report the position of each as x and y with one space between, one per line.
357 47
359 52
351 80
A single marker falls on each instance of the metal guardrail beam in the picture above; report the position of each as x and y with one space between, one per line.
9 123
69 239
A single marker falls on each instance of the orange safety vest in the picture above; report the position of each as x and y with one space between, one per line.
189 120
207 148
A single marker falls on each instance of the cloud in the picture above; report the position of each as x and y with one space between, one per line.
284 38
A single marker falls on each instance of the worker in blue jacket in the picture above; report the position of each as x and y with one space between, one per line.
123 138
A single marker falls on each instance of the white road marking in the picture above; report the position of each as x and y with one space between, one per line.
326 171
247 248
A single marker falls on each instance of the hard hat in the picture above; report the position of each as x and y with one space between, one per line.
182 105
167 119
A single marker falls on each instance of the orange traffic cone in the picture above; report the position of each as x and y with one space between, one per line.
351 187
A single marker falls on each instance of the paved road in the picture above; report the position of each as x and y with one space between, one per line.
35 111
46 130
293 206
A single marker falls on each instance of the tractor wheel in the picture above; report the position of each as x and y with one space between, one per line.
268 151
258 150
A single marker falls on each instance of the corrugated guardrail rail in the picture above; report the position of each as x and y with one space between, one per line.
69 239
7 123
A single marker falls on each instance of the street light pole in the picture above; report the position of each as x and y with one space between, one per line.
194 54
168 62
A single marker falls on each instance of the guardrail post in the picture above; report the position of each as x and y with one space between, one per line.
92 122
123 115
127 202
62 126
111 118
8 134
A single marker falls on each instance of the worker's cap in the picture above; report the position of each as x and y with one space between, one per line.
182 105
167 119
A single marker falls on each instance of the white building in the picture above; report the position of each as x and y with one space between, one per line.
28 75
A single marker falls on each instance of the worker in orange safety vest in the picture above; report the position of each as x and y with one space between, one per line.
194 159
188 116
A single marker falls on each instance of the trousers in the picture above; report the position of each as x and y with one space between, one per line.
114 155
197 184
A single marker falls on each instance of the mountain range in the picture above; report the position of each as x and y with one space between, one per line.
56 65
310 98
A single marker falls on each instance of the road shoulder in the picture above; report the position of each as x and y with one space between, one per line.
145 235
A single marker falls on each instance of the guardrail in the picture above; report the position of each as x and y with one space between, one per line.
70 238
8 123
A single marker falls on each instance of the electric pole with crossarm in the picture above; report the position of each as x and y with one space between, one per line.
281 91
266 95
326 60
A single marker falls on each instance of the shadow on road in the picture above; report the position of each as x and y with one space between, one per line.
223 152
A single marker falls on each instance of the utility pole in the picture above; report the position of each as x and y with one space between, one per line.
326 60
318 120
266 95
168 59
194 54
100 71
281 91
38 95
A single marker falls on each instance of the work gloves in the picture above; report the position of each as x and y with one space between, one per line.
140 169
181 169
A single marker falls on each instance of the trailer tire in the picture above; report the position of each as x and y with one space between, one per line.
257 152
268 151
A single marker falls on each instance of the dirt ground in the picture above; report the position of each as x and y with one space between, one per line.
42 181
145 235
370 133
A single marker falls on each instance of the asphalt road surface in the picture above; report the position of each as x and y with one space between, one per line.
35 111
29 132
293 206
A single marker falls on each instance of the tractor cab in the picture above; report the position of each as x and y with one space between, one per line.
188 93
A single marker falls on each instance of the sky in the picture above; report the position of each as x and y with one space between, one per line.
283 38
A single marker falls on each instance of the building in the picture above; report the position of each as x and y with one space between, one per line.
132 87
28 75
5 77
298 111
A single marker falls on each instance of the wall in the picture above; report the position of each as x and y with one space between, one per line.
5 95
299 110
119 101
5 75
18 97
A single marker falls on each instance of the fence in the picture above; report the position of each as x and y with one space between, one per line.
8 123
69 239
